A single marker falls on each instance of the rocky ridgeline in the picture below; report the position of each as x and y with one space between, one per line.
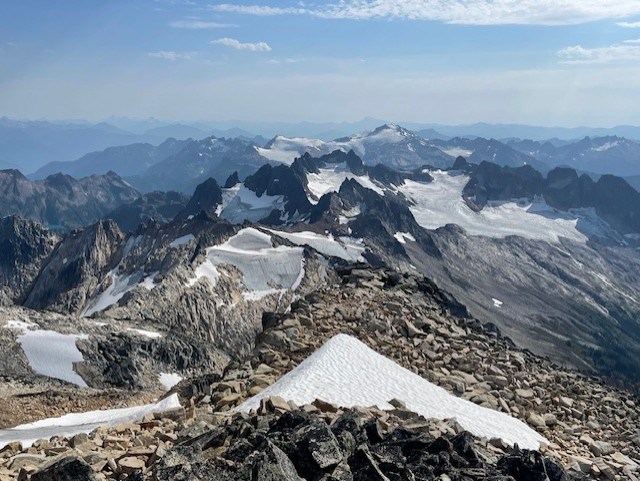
285 442
592 428
281 442
106 453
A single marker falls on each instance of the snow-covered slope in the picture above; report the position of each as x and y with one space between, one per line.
265 269
440 202
240 204
285 149
71 424
388 144
347 373
120 285
50 353
346 248
330 179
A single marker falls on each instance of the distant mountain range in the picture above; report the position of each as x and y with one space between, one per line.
61 202
180 165
600 155
29 145
127 160
331 130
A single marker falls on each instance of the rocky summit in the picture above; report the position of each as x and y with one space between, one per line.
591 430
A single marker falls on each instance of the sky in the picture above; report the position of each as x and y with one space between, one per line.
543 62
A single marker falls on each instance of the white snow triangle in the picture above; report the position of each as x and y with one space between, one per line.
347 373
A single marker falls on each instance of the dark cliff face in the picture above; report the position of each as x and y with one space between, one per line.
160 206
24 247
280 180
612 197
232 180
618 203
492 182
76 267
60 201
564 190
206 197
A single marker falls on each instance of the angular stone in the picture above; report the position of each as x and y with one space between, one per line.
130 464
601 448
67 469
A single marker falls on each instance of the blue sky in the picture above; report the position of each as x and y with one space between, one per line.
444 61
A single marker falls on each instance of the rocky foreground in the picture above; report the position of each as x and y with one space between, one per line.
593 430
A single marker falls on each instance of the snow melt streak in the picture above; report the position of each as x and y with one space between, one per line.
347 373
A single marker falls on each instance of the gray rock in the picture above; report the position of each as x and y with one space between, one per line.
272 464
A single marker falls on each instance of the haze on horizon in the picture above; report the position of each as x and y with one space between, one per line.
435 61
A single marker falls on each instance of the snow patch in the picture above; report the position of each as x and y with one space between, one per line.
240 204
606 146
458 152
120 285
347 248
145 333
168 380
72 424
403 237
50 353
330 180
263 267
185 239
347 373
496 302
440 202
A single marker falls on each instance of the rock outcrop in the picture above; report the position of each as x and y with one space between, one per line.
24 247
76 268
159 206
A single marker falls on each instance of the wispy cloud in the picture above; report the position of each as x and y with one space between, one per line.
629 24
259 10
633 42
170 55
277 61
198 24
177 2
628 51
470 12
233 43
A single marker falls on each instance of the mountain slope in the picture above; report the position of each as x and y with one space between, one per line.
478 150
600 155
199 160
24 247
157 206
125 161
61 201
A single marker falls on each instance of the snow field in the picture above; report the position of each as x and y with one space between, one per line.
265 269
346 248
347 373
440 202
72 424
50 353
